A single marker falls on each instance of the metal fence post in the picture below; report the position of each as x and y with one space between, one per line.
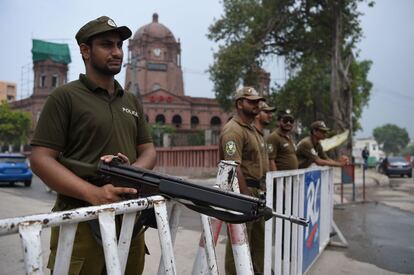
164 234
32 247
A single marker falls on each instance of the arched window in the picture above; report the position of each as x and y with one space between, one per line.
176 120
160 119
215 122
194 122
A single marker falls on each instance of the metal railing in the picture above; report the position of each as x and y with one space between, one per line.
116 253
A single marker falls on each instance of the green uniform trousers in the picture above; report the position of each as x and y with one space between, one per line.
87 255
255 234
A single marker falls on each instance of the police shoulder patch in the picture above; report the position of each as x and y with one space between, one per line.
270 148
230 148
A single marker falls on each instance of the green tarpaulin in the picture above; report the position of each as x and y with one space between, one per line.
56 52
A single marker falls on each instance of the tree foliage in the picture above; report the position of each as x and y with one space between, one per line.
14 125
317 39
392 138
409 150
307 93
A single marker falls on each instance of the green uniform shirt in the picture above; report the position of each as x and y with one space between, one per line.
240 142
83 122
307 152
263 151
282 150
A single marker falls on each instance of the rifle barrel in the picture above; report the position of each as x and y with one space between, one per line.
294 219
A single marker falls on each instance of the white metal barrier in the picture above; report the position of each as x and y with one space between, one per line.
289 248
206 262
116 253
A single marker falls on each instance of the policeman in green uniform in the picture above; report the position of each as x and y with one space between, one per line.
83 122
309 149
240 142
281 148
263 119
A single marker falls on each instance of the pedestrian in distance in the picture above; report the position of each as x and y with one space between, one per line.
280 144
240 142
86 121
365 156
309 150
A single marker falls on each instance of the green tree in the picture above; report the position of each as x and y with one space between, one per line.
409 150
157 131
392 138
317 39
14 125
307 92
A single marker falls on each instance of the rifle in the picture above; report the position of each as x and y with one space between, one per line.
224 205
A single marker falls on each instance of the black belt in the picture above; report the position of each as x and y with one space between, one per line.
256 183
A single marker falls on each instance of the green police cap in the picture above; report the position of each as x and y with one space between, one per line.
101 25
319 125
248 93
284 113
264 107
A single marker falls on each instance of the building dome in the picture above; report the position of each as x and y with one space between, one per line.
154 30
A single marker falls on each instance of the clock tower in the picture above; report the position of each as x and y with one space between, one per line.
154 61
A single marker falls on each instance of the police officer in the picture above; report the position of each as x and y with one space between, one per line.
82 122
310 150
281 148
240 142
263 119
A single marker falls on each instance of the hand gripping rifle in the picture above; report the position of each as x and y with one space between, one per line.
224 205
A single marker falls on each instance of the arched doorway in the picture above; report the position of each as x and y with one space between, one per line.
194 122
176 121
215 122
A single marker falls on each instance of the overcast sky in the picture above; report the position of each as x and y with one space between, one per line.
388 42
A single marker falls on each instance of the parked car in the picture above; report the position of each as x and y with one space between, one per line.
396 166
14 167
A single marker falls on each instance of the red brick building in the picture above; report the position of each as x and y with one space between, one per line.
50 67
154 73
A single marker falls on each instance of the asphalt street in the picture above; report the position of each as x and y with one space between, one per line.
379 232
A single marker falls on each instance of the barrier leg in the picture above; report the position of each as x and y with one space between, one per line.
32 247
205 262
128 222
240 248
173 223
165 237
109 242
64 250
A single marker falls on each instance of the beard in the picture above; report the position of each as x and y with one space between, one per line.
250 113
286 128
105 69
103 66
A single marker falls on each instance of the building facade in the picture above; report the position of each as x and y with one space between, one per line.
7 91
50 68
154 73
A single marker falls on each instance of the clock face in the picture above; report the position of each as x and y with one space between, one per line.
157 52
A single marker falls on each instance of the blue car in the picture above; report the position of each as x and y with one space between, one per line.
14 168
